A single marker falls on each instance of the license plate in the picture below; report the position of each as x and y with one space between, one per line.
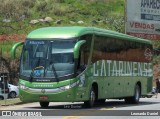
43 97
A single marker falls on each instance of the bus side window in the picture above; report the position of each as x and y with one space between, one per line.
81 61
26 59
84 52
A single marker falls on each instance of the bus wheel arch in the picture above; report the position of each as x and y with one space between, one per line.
139 84
93 96
95 87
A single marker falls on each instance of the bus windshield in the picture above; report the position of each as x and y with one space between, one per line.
47 59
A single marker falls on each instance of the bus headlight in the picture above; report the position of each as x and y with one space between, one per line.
21 86
65 87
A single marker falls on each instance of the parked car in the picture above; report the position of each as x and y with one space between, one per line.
154 90
3 96
13 91
149 95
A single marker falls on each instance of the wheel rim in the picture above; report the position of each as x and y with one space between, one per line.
137 94
13 95
92 97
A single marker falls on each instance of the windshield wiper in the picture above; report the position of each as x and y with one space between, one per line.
46 59
55 73
31 76
35 64
49 48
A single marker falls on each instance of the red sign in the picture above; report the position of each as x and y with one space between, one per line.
145 35
143 18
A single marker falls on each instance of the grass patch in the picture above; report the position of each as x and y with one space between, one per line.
12 101
21 12
6 46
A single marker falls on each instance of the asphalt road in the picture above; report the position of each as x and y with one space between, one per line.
148 108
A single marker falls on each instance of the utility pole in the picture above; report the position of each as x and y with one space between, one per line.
4 87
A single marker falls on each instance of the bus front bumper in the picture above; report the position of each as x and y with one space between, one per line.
48 95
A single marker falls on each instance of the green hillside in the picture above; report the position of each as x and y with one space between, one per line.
16 15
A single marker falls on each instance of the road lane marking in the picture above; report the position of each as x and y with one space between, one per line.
106 109
85 113
71 117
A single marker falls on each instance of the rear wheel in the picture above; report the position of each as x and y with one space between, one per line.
136 97
44 104
12 94
91 101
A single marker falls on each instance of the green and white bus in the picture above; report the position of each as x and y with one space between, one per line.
73 64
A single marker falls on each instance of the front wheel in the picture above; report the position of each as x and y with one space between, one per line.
91 101
44 104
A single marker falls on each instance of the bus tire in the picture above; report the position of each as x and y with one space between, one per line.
137 94
134 99
92 97
44 104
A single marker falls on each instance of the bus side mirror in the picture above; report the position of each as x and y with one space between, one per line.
77 48
14 47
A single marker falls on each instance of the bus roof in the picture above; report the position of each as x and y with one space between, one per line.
76 31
